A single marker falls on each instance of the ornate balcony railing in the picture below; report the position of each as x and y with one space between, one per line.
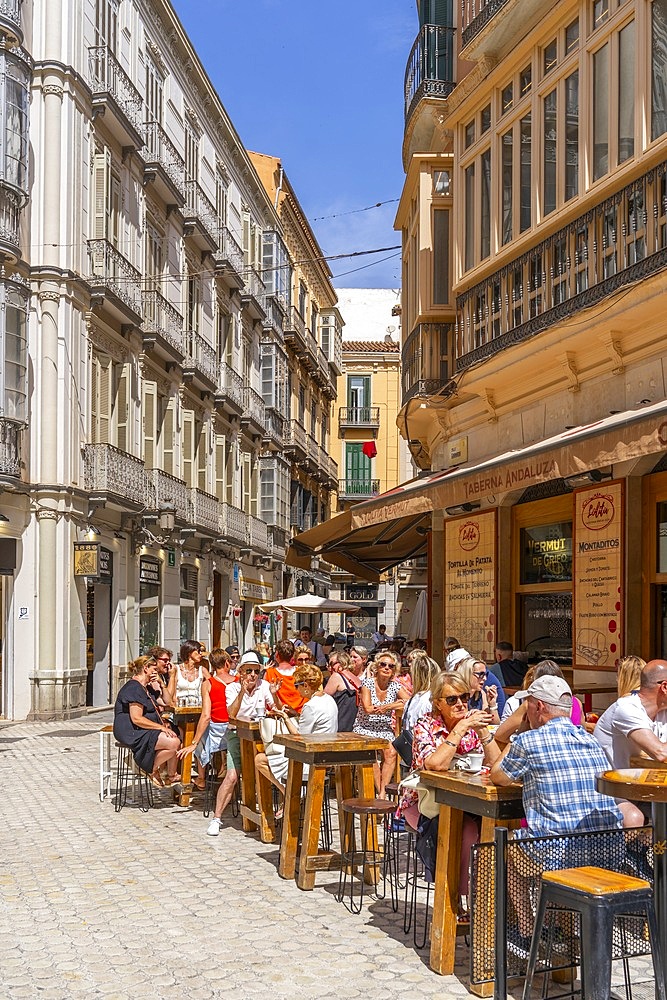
425 359
275 426
295 328
200 209
170 491
107 77
359 416
475 15
205 510
253 407
199 357
229 255
430 71
161 151
109 470
10 457
230 384
233 523
258 534
162 318
295 437
110 270
358 488
10 21
620 241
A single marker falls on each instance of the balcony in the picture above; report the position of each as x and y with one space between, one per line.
10 456
258 534
274 436
296 440
229 259
425 360
170 492
483 31
200 365
358 489
115 97
430 69
11 31
331 472
253 295
10 220
274 322
309 358
233 524
205 511
114 282
112 475
295 331
163 328
229 393
200 219
254 412
164 166
359 416
323 374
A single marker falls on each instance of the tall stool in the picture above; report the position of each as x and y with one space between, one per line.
415 879
369 858
598 896
126 772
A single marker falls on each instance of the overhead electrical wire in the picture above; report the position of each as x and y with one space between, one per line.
355 211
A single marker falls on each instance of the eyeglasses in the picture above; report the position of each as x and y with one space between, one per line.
452 699
386 663
235 656
163 659
303 659
300 684
481 674
253 670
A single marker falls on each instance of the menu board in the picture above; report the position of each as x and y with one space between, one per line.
470 582
598 575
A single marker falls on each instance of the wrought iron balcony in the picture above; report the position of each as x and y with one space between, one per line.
10 456
275 429
229 259
115 94
258 534
296 439
229 393
295 331
170 492
200 363
200 219
312 454
113 278
254 411
163 327
205 511
233 524
430 71
358 489
475 15
253 295
275 316
164 165
11 30
110 471
359 416
10 219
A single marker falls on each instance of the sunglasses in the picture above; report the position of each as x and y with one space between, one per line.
480 674
386 663
452 699
253 670
300 684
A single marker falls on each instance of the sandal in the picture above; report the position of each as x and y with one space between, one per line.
463 916
156 780
278 814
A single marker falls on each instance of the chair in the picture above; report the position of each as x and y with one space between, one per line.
369 858
127 771
599 897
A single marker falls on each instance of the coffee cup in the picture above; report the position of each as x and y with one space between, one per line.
470 762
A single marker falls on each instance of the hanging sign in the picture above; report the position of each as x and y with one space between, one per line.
149 571
93 561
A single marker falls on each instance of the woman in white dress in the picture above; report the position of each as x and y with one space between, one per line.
380 696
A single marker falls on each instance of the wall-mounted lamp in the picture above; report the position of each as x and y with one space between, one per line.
3 518
463 508
167 517
92 530
588 478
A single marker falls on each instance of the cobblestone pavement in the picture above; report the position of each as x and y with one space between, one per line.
99 904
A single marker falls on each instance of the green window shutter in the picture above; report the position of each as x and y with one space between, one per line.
357 465
436 12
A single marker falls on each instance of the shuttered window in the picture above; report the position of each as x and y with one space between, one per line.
202 457
188 438
101 399
220 467
167 434
149 408
122 407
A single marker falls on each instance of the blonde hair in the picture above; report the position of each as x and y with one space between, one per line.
395 659
447 678
422 669
466 669
310 674
137 666
629 673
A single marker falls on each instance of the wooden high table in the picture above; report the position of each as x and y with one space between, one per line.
256 795
186 717
643 784
458 792
341 751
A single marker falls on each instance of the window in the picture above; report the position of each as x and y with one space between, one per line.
485 208
550 144
581 260
609 233
303 300
572 136
536 281
469 216
559 270
526 80
469 134
506 147
189 580
109 402
600 12
601 112
193 304
314 321
525 174
572 36
13 311
635 224
154 91
658 68
479 317
357 471
358 391
441 182
485 119
221 196
106 23
191 155
550 56
516 279
15 100
441 256
507 98
626 92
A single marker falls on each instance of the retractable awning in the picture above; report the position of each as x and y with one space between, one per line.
375 535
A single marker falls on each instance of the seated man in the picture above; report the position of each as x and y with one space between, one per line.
510 671
637 722
381 636
557 763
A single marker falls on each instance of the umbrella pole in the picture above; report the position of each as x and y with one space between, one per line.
284 625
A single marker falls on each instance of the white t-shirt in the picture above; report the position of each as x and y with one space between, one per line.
511 706
614 727
419 704
253 706
319 715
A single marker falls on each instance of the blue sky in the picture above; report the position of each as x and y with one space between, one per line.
321 86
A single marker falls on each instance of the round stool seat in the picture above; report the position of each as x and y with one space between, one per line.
392 788
368 807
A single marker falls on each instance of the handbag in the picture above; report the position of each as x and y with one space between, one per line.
403 742
427 804
269 728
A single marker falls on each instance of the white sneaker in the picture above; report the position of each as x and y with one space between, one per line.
214 827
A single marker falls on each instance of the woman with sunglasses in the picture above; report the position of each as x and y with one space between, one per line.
343 686
379 697
483 696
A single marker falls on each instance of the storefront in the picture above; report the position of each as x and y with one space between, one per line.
150 580
93 566
654 624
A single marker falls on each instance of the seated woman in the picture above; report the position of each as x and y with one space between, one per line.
343 686
190 674
423 669
359 657
318 715
482 698
138 724
380 696
212 726
449 730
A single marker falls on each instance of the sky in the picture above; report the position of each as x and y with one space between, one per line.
321 86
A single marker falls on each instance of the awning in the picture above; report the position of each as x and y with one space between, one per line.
310 604
377 534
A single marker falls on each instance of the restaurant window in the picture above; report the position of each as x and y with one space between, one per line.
525 173
601 112
658 68
550 143
572 136
506 145
469 216
188 602
485 209
626 92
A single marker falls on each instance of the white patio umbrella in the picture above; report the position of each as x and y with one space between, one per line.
310 604
418 627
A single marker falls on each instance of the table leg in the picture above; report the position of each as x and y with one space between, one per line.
186 770
291 815
267 828
344 790
369 828
311 825
248 786
660 872
446 894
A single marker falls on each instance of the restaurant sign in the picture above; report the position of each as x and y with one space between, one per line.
93 561
546 553
598 575
470 582
257 591
149 572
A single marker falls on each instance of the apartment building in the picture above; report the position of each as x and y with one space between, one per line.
146 490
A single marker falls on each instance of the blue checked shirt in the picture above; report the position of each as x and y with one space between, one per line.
557 765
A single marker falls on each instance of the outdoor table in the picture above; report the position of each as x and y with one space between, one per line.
458 792
256 796
342 752
588 690
186 717
647 785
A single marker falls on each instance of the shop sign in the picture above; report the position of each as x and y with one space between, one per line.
361 592
598 575
255 590
149 572
470 582
546 553
92 560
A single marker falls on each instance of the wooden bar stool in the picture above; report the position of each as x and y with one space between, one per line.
369 857
598 896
